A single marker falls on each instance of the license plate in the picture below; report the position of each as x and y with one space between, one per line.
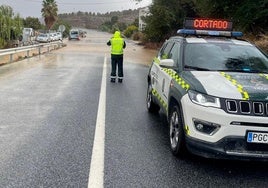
257 137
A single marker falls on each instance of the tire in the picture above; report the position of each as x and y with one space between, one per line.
151 106
176 133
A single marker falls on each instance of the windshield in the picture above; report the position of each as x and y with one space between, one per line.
225 57
74 32
42 35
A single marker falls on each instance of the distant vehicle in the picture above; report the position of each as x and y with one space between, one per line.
53 36
82 33
27 34
74 34
58 36
43 37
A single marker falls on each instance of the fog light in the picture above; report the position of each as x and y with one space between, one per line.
199 126
206 127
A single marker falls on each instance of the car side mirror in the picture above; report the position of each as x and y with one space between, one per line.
167 63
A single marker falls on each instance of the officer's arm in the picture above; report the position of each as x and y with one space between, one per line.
124 46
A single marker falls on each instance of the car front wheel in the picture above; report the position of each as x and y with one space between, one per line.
176 133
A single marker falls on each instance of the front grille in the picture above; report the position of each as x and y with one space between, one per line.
241 107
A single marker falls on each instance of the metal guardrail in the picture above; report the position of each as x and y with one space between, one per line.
48 46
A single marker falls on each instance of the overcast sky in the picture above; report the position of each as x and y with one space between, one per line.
33 7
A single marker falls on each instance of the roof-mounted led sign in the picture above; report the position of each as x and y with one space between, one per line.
208 24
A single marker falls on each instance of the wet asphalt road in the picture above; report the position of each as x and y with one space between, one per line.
49 108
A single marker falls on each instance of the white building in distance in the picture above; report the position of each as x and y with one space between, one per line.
143 12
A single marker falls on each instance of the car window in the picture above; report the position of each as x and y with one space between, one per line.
225 56
164 53
174 53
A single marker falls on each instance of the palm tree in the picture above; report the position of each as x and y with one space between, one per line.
50 12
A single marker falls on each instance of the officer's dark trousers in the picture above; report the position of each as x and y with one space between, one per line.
117 61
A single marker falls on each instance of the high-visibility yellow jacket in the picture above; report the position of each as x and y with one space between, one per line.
117 44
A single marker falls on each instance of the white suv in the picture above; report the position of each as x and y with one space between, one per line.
213 89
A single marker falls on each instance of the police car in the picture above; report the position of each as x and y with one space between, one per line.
213 88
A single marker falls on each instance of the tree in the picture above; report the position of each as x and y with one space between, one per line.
66 24
114 20
247 15
31 22
166 17
130 30
17 25
11 26
6 14
136 22
252 17
50 12
158 23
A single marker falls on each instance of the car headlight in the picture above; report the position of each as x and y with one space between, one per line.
204 100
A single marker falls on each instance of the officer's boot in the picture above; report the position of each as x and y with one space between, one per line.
113 80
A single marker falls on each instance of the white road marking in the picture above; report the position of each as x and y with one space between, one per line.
96 173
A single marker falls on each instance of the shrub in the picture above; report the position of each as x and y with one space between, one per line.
138 36
130 30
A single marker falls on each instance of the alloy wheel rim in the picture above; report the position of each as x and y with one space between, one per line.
174 130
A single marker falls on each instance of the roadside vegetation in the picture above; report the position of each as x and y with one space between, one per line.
50 12
248 16
12 24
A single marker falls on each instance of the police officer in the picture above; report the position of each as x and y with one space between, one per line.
117 44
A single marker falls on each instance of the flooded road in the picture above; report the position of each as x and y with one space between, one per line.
50 108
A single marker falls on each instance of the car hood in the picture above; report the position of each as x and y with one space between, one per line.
233 85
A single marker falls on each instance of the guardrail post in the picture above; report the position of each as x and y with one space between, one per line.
11 58
39 50
28 53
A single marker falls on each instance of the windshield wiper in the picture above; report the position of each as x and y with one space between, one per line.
196 68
